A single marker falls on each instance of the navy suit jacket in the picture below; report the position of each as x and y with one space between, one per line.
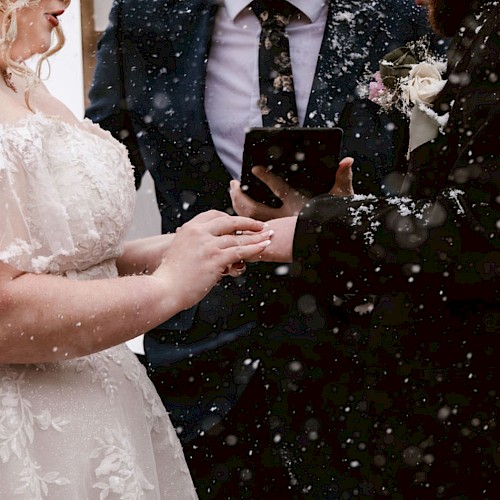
148 91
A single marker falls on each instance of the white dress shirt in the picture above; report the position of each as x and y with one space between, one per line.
232 87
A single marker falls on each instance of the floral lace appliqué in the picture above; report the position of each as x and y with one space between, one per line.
153 408
98 364
17 432
118 472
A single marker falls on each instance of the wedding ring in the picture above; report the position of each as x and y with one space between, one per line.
240 267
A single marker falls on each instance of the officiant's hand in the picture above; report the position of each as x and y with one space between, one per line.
292 200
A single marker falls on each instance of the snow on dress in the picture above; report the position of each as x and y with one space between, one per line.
91 427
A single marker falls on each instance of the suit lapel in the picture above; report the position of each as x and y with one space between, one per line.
192 22
350 26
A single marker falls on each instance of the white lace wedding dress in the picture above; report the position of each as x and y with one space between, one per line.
92 427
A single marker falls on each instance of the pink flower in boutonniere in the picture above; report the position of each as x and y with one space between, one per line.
377 88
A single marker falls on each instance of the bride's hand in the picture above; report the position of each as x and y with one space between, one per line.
207 248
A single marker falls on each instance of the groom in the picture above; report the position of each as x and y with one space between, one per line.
408 407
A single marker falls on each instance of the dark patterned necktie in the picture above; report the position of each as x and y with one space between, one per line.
277 95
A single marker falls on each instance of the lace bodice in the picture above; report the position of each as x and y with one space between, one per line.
67 193
92 427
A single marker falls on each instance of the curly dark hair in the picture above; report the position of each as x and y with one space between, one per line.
446 16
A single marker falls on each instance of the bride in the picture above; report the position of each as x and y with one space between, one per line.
79 418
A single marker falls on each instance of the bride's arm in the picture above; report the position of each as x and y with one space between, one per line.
144 255
46 318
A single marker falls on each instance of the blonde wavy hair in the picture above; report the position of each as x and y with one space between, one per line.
8 34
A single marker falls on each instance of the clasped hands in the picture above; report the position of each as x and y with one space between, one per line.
214 244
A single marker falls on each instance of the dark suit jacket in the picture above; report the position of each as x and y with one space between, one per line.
412 400
148 91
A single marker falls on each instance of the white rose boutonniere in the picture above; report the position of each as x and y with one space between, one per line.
420 90
409 79
423 85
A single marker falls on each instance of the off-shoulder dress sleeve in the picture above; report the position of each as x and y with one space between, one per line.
34 225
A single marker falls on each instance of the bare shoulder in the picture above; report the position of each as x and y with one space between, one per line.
14 106
11 110
42 100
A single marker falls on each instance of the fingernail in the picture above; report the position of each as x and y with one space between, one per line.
265 243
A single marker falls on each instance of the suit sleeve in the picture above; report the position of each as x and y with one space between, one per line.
439 242
108 103
444 245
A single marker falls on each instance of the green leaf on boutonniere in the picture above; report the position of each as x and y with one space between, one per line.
396 65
